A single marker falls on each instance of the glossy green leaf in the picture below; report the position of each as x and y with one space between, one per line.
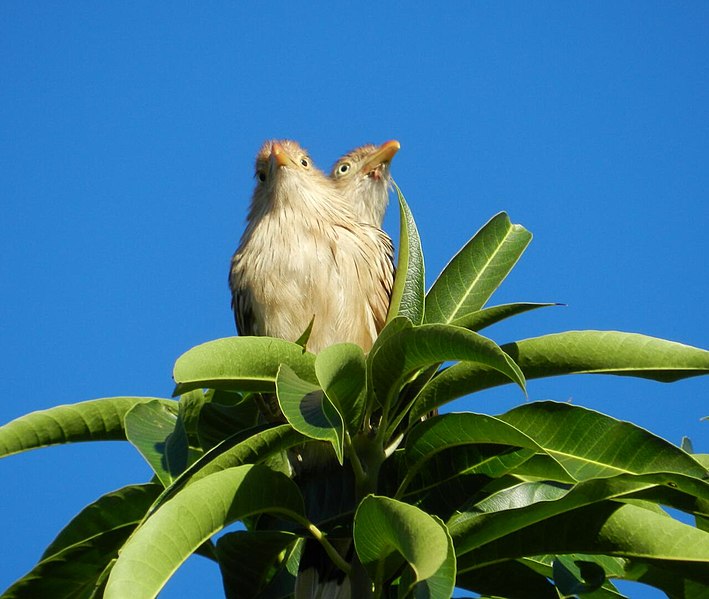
407 297
118 510
342 373
573 352
253 446
589 444
189 407
247 559
74 563
384 527
477 270
413 348
309 411
504 514
199 511
93 420
218 422
75 572
610 528
574 577
157 433
449 432
480 319
441 583
240 364
612 567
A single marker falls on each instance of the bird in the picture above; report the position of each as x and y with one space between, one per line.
363 176
306 258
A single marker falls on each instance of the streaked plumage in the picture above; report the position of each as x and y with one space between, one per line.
304 253
363 176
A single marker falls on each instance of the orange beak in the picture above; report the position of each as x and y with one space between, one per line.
279 155
382 155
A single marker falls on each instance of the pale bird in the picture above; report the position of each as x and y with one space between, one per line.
305 256
363 176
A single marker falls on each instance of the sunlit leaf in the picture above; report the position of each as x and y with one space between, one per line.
93 420
573 352
413 348
74 563
384 527
157 433
342 373
240 364
589 444
471 277
480 319
407 297
309 411
181 525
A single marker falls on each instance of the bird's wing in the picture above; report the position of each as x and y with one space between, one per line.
241 303
381 298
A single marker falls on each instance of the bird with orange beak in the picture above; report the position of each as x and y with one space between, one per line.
305 256
363 176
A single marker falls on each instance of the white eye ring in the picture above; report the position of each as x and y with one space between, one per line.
344 167
304 162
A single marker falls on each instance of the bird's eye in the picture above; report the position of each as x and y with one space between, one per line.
304 162
344 167
261 176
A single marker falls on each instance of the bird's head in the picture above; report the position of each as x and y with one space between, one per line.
363 176
278 157
285 174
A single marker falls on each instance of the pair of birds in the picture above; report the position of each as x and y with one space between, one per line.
313 250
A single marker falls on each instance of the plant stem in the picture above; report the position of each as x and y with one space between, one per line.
336 558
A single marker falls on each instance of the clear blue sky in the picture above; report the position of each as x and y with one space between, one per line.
127 138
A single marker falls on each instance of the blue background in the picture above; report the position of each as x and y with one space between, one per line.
127 139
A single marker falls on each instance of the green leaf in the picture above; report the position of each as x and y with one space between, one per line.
589 444
218 422
384 526
309 411
407 296
574 577
442 582
305 336
613 567
121 509
247 559
240 364
477 270
181 525
573 352
480 319
452 430
505 516
610 528
510 579
413 348
253 446
342 373
75 572
93 420
449 432
74 563
157 433
189 407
